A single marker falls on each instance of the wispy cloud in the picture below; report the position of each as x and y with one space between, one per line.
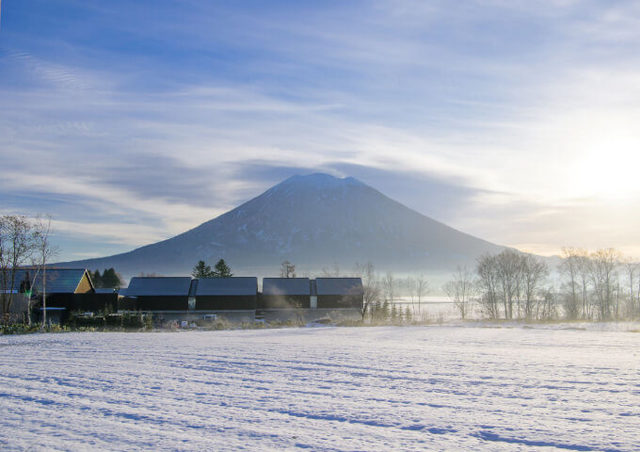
514 121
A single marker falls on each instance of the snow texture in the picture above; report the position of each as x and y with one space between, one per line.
387 388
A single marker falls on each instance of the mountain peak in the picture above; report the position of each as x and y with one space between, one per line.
319 181
313 220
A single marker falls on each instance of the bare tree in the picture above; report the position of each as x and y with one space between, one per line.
570 269
370 285
43 252
547 306
331 272
460 290
422 288
584 272
632 270
534 272
604 277
488 285
389 286
287 270
509 267
16 246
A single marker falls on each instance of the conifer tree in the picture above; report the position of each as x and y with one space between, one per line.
110 279
222 270
96 279
384 311
202 270
408 316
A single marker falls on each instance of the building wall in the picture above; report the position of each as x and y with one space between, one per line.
194 316
339 301
284 302
59 300
211 302
159 303
94 302
85 285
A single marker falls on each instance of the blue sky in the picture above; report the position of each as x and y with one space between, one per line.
130 122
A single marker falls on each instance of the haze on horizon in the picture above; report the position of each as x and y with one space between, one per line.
516 122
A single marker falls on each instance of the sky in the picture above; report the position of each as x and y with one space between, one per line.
515 121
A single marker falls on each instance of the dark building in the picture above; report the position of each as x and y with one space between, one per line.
283 293
213 294
158 294
60 282
334 293
62 285
67 289
99 300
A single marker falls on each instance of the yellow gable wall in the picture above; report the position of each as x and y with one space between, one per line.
84 286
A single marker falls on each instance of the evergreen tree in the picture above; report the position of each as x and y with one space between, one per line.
111 279
384 311
222 270
375 310
408 316
96 279
202 270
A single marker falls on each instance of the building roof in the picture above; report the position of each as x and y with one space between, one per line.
171 286
339 286
59 280
286 286
227 286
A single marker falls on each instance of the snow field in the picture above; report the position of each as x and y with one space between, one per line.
385 388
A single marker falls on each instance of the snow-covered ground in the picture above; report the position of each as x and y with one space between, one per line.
386 388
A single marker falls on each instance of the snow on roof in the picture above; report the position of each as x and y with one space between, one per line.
159 286
339 286
227 286
286 286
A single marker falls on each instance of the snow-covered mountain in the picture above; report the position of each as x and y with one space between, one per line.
314 221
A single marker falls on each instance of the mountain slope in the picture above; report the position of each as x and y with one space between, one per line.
314 221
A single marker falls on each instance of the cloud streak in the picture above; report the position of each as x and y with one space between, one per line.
513 121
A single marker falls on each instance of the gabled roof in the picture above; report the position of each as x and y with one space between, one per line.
286 286
59 280
172 286
339 286
227 286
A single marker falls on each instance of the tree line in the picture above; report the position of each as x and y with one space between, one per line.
600 285
220 270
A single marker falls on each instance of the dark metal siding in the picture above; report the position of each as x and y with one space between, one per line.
213 303
339 301
286 286
284 301
160 303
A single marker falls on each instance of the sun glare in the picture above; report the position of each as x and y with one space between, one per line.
608 165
